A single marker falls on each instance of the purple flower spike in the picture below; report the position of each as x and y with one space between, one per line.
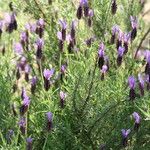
29 143
141 84
90 16
131 82
120 55
134 24
137 118
48 73
120 51
104 70
49 121
39 45
40 27
25 105
22 125
125 134
27 71
63 29
62 98
101 55
114 7
84 4
115 30
61 43
18 48
79 12
126 39
33 84
1 26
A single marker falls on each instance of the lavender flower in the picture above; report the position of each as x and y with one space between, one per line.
62 98
101 55
85 6
47 76
134 24
1 26
9 136
39 45
90 16
73 32
27 71
49 121
11 22
29 143
103 71
25 104
141 84
71 43
137 120
115 29
18 73
126 38
147 68
18 49
22 63
24 39
119 40
113 7
61 42
131 82
33 84
147 80
79 11
22 125
125 134
40 27
120 55
63 29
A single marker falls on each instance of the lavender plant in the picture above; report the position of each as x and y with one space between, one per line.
73 75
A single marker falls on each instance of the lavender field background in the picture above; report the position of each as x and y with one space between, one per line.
74 75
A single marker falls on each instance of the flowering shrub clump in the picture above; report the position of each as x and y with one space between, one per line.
74 75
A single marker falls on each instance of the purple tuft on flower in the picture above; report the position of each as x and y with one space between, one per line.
63 29
113 7
125 134
40 24
29 143
18 49
39 45
120 55
47 76
22 125
132 83
103 71
134 24
62 98
33 84
101 55
137 119
27 71
141 84
49 121
25 104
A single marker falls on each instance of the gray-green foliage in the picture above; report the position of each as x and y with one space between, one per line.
95 110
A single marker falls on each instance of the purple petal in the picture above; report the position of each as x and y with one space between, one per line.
59 35
121 51
18 48
136 117
131 82
49 116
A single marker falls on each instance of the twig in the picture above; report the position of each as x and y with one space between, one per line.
141 42
101 117
40 9
145 13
